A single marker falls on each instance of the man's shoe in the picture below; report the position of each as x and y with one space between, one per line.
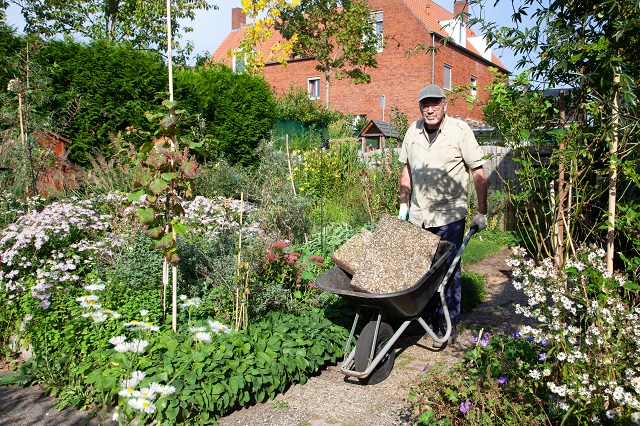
451 341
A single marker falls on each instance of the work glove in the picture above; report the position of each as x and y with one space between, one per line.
404 210
479 222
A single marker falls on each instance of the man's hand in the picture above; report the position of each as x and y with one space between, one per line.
404 210
479 222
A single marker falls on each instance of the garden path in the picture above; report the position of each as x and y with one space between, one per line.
329 398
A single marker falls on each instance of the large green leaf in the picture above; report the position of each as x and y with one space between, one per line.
145 215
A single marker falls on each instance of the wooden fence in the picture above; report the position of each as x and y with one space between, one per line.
499 168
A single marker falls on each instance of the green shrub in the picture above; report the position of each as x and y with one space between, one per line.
473 290
199 375
109 88
295 105
238 110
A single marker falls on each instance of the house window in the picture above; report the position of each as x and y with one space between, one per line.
377 27
447 77
474 84
313 87
239 62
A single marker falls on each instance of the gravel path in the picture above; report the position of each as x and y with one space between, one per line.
331 398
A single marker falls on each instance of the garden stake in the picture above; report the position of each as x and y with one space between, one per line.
293 185
240 306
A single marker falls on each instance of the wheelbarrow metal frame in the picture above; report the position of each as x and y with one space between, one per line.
349 354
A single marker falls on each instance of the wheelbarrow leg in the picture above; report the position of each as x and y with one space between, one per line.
372 358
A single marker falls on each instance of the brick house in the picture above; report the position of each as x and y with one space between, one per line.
404 24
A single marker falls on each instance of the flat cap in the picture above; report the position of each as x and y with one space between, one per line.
431 91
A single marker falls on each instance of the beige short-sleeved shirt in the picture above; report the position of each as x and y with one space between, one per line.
440 171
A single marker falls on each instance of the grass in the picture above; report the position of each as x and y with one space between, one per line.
480 246
486 243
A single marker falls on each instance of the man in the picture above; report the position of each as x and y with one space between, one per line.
438 152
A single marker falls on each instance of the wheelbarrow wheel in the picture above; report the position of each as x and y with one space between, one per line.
363 351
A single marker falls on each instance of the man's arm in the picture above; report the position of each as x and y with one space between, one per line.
405 184
480 183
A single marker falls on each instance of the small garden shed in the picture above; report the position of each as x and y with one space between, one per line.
375 134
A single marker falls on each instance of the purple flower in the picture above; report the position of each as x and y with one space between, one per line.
543 342
530 339
465 407
502 380
516 334
425 367
542 356
485 340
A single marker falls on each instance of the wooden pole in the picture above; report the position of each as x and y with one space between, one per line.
24 142
613 176
560 221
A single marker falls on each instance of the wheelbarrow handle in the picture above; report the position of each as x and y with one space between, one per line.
456 259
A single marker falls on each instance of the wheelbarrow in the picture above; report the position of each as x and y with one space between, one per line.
372 358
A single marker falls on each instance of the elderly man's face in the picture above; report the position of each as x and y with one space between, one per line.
433 110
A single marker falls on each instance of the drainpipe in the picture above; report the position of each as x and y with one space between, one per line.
433 56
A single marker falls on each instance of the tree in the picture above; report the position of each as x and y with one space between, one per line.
142 23
10 45
597 124
340 35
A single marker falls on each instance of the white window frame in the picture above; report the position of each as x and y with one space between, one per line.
313 85
378 28
239 62
474 85
446 80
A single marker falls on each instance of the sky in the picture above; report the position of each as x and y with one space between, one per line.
212 26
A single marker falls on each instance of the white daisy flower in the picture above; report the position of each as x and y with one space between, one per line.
129 393
94 287
121 347
129 383
143 405
203 337
162 389
147 393
138 375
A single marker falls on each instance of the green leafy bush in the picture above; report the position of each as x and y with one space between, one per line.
282 281
238 109
109 86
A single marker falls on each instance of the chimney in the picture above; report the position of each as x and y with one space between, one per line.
459 7
238 18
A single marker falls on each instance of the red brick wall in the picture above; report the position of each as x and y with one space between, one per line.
399 77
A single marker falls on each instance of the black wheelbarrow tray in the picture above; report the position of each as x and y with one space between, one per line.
372 358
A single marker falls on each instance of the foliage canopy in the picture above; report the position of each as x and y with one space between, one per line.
339 35
142 23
